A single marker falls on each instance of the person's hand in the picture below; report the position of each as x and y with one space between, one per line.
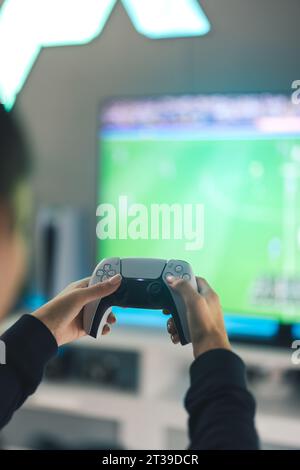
205 317
63 315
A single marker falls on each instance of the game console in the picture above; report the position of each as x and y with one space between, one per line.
144 285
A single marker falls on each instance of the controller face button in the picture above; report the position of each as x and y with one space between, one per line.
178 268
99 272
169 274
112 272
186 277
107 267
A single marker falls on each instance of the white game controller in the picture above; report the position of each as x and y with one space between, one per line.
143 285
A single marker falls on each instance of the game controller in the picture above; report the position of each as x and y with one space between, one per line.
144 285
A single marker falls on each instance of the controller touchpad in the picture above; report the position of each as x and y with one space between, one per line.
142 268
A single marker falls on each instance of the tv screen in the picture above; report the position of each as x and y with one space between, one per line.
213 180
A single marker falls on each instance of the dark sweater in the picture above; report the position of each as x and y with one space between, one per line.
221 410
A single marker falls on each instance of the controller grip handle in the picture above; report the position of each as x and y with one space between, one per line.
104 306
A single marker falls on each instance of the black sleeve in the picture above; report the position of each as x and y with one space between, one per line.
29 345
221 409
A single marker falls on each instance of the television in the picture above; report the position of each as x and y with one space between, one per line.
232 160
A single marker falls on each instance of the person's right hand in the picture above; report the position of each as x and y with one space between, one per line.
205 317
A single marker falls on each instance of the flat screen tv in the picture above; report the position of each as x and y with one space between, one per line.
234 160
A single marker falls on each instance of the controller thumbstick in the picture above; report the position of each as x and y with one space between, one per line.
154 289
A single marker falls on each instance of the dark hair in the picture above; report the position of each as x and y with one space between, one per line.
14 155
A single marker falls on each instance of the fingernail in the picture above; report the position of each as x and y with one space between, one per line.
170 278
115 279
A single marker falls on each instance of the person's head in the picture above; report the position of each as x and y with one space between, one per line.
14 171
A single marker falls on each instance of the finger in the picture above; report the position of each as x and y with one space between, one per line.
175 339
166 312
111 319
78 322
75 285
100 290
205 290
171 327
81 283
105 330
185 289
203 286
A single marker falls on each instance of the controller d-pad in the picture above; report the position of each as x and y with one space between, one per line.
107 267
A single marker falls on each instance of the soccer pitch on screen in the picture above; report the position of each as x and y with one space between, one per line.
249 187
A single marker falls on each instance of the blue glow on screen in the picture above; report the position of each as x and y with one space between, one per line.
296 331
236 325
140 317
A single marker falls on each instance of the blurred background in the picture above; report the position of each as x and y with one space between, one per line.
169 113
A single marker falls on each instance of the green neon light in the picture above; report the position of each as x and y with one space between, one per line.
159 19
26 26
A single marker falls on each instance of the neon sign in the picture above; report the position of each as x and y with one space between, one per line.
27 26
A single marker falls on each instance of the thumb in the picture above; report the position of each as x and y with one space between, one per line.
185 289
102 289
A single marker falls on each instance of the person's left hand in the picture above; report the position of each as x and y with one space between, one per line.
63 315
